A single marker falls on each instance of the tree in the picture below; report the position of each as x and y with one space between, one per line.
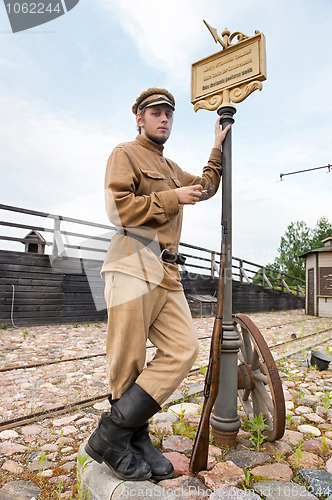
299 238
322 229
271 271
295 242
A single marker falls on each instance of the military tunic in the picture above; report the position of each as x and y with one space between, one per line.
144 295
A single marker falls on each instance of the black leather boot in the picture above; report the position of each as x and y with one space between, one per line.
110 442
112 401
161 467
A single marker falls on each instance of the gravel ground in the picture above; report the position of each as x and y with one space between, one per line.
27 390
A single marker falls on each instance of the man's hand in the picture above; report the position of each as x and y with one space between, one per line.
189 195
219 133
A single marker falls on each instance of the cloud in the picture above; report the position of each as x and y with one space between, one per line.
50 157
163 33
169 37
53 157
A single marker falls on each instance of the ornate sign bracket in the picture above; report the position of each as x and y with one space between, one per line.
235 95
230 75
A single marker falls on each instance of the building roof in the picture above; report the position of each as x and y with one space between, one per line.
317 250
326 248
328 238
34 236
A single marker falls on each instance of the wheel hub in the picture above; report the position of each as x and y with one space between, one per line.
245 377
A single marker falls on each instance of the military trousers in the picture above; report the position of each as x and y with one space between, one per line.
138 312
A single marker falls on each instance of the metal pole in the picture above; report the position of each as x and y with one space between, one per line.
225 421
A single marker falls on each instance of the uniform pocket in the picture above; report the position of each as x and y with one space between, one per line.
152 181
153 174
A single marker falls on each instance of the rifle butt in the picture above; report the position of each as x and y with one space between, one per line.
199 457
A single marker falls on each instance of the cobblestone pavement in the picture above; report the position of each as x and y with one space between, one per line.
45 451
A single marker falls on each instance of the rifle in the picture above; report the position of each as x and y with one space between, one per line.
200 451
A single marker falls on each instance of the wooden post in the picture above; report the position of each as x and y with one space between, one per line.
213 263
58 246
241 270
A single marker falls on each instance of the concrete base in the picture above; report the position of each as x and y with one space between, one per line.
225 438
100 483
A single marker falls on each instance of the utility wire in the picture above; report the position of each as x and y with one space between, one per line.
307 170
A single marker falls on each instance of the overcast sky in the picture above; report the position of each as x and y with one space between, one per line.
67 88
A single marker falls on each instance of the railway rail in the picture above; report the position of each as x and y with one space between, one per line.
206 337
86 403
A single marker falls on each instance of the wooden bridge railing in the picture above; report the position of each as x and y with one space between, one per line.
62 237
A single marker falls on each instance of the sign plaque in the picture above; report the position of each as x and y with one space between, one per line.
325 281
231 74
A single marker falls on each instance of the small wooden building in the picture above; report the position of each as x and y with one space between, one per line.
319 279
35 243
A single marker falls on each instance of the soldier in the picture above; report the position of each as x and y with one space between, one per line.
145 194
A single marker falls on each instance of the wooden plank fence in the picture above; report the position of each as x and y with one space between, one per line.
62 283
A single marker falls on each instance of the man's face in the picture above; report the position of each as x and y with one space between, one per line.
156 123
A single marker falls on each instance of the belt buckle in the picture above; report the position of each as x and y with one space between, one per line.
172 257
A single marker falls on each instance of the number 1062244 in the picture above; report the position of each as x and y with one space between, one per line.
33 8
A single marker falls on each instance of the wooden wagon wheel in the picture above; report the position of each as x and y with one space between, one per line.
259 385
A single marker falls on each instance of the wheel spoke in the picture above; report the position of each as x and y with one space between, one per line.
247 406
258 375
256 403
260 407
247 346
255 360
246 394
242 352
264 395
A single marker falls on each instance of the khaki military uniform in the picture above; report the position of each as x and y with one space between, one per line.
144 295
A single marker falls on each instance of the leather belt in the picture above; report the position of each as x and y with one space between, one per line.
165 255
173 258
